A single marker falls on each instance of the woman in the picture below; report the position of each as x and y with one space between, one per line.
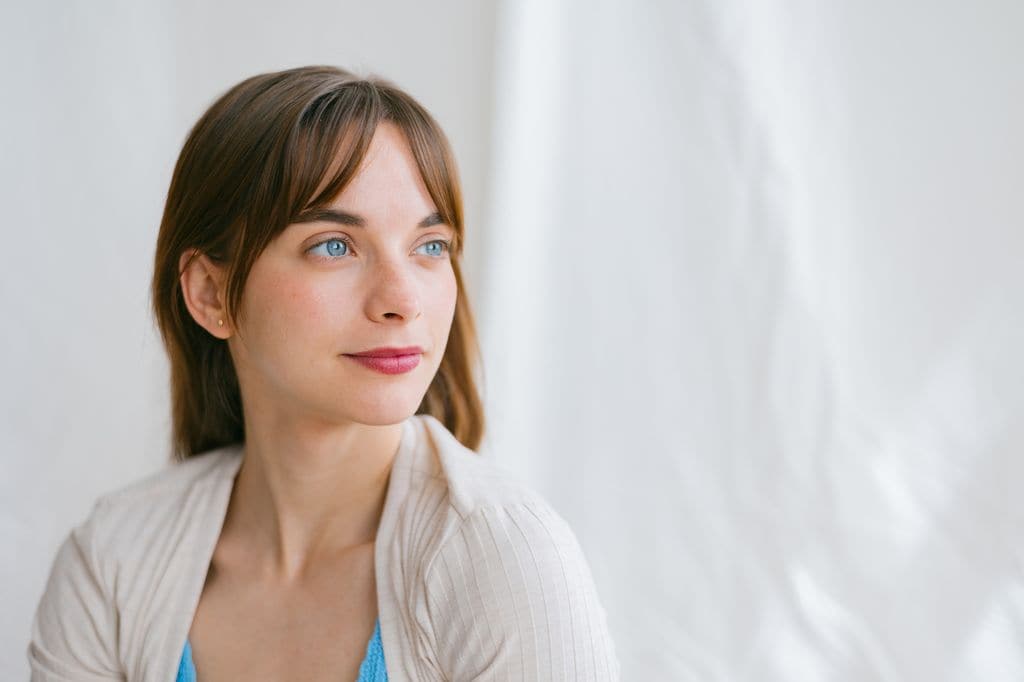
326 517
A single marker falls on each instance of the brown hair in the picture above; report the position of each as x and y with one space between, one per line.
249 167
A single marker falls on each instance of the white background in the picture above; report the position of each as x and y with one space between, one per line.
748 277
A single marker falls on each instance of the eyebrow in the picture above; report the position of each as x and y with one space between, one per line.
332 215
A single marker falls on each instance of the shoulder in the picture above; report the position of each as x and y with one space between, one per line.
525 546
518 551
175 479
491 510
138 509
77 620
152 503
511 596
132 528
471 481
509 591
128 519
477 506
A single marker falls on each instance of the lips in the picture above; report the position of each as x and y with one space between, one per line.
389 364
388 352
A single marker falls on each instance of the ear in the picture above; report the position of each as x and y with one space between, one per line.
202 286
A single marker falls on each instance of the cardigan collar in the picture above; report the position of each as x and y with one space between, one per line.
209 521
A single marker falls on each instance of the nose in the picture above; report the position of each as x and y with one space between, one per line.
394 294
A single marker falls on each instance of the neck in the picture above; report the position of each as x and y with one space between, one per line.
308 492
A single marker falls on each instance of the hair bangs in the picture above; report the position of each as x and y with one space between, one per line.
331 139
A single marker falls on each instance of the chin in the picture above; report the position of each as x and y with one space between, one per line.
388 410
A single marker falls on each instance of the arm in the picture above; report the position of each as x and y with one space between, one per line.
510 597
74 631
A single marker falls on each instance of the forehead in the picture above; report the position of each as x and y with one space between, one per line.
388 179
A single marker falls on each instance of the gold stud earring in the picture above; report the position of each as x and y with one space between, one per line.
220 323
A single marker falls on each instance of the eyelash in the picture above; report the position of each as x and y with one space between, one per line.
349 246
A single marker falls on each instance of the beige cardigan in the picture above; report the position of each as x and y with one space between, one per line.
478 578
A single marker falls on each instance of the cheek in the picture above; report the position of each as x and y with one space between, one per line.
286 309
303 303
443 304
453 293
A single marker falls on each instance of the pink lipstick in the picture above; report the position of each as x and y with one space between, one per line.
389 360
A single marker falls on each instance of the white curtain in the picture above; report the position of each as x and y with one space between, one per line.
753 320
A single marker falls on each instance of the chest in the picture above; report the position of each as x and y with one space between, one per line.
315 630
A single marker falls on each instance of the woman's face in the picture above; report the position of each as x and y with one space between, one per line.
325 289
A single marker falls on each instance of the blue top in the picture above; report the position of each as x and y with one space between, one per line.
370 670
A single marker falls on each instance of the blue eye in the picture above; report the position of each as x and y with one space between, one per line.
331 248
445 246
338 247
